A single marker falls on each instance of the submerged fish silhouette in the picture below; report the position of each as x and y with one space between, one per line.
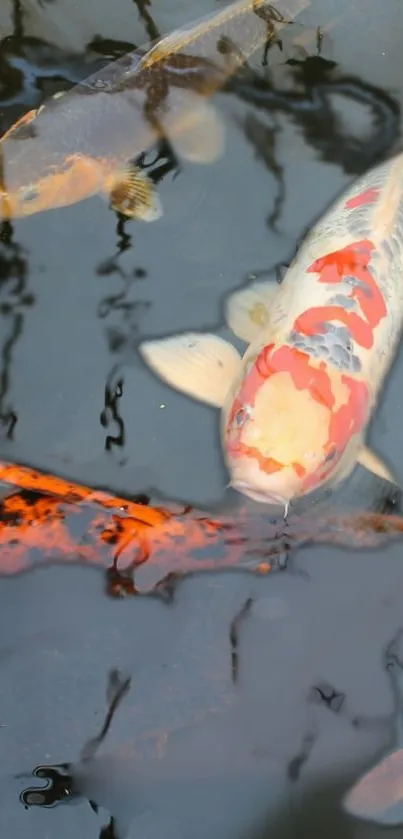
80 143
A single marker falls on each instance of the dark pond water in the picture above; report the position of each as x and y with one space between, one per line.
189 753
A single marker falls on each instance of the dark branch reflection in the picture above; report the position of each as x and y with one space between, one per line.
15 299
152 30
311 110
110 412
62 786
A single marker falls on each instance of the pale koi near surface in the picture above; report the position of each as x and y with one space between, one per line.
377 795
296 407
83 142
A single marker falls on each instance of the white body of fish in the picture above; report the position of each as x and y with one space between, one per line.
296 407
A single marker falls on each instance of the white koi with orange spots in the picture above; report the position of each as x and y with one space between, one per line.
295 409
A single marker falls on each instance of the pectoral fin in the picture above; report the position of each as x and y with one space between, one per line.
247 310
201 365
371 461
193 127
133 194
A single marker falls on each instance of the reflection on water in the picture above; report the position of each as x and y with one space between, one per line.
147 548
275 680
315 83
15 299
113 393
232 766
198 770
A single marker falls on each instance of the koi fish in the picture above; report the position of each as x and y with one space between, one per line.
377 795
296 408
140 545
82 142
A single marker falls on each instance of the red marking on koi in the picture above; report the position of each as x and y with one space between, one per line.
299 469
344 423
258 374
305 377
312 321
369 196
351 261
266 464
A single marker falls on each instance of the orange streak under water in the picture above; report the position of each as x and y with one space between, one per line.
46 519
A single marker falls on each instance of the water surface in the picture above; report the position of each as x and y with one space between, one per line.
79 289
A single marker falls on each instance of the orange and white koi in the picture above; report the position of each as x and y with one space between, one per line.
377 795
81 143
296 408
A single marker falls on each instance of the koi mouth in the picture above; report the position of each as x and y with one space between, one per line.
261 497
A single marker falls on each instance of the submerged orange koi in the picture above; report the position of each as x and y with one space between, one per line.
45 519
80 143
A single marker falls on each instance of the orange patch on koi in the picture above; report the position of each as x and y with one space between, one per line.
369 196
305 376
335 267
351 416
267 464
77 179
312 321
346 421
285 359
299 469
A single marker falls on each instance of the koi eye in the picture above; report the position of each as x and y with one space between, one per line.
68 163
242 416
330 455
30 193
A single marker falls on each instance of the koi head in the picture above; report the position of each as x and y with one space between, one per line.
291 424
74 179
35 177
